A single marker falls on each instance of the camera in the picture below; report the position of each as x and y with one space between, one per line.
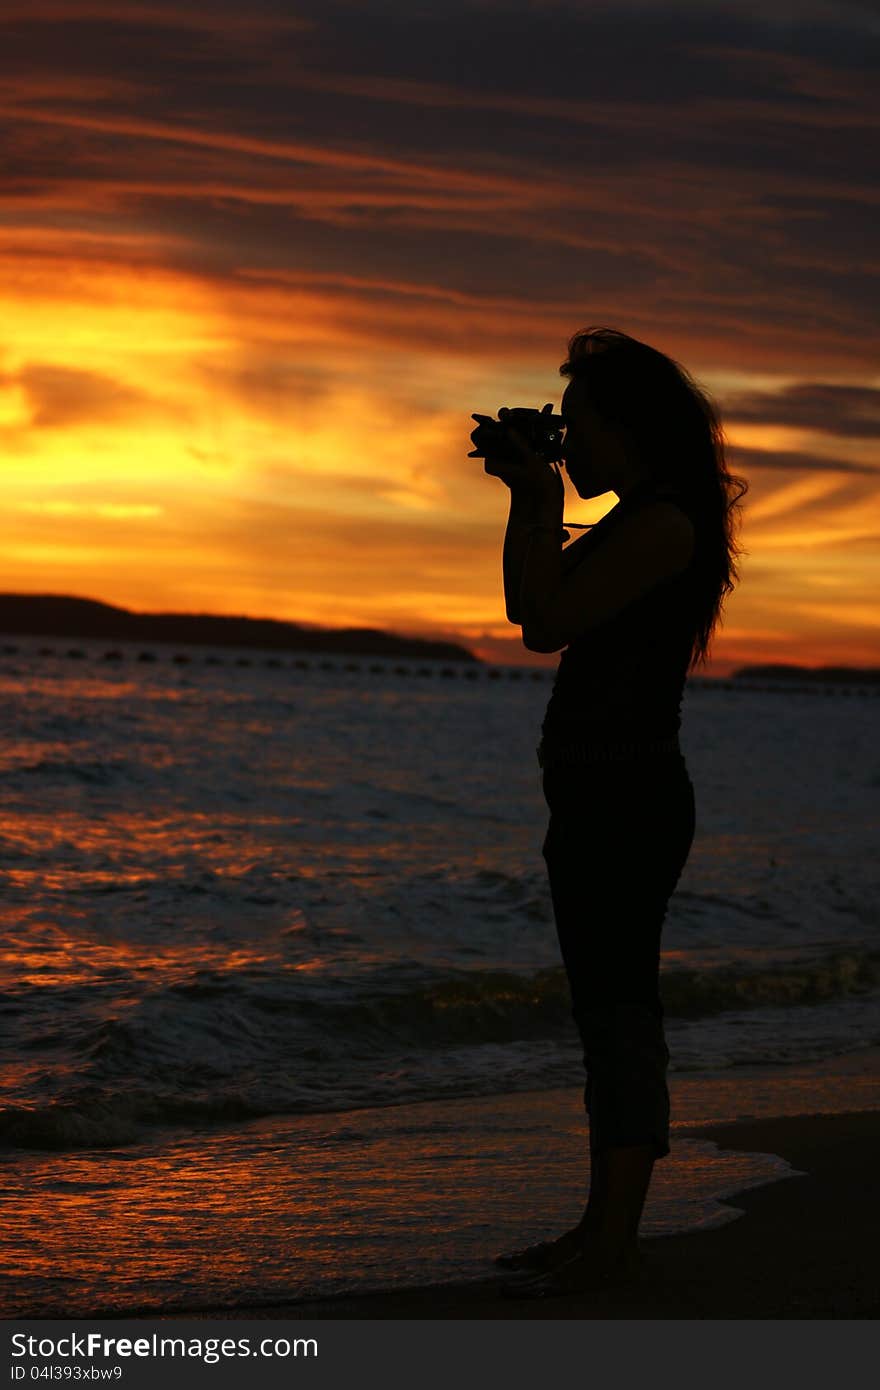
540 428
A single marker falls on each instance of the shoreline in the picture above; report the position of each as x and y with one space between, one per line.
804 1247
397 1212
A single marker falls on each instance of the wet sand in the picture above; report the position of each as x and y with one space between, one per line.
805 1247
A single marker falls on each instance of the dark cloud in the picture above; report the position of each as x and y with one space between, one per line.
63 396
474 178
850 412
797 461
651 156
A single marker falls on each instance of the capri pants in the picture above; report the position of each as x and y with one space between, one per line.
618 838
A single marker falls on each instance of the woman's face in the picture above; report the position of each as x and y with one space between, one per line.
593 452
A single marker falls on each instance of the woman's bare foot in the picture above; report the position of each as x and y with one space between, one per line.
591 1269
546 1254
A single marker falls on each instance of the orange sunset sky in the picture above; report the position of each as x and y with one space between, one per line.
261 262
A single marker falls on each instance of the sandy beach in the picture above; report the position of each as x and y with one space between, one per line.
805 1247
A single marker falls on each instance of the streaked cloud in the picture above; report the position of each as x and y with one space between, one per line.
747 460
58 397
850 412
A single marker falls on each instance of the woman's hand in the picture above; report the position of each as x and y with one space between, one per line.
526 473
529 473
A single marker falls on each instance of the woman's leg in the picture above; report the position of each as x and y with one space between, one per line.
621 1178
628 1107
615 849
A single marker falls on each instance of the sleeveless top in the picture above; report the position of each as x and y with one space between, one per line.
619 685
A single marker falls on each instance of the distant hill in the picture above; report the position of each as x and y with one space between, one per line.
848 675
57 615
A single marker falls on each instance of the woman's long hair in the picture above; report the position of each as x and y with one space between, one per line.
677 434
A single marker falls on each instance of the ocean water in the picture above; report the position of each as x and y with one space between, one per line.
243 894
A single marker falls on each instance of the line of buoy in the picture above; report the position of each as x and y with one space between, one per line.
782 688
516 673
472 673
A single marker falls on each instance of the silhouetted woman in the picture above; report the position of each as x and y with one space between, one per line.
634 603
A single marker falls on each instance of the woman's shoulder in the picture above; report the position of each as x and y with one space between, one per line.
650 491
672 506
669 505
